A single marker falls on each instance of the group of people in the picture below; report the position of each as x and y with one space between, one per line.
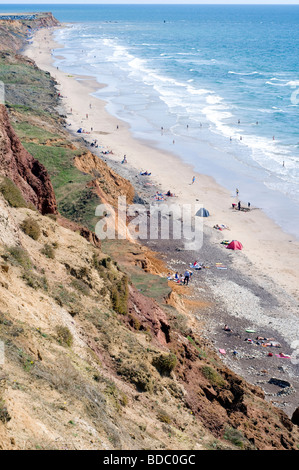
239 202
94 143
180 278
159 196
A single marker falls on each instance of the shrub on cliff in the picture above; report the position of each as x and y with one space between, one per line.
64 336
31 228
213 376
138 374
165 363
4 414
119 295
11 193
48 251
18 255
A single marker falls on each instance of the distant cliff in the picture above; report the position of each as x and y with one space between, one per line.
14 32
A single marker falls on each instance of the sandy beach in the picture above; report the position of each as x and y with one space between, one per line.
273 252
270 257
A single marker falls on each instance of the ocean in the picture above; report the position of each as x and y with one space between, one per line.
222 82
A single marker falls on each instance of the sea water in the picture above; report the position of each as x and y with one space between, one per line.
222 82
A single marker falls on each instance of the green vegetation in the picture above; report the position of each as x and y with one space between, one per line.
201 352
25 360
4 414
118 398
11 193
27 131
75 200
35 281
164 417
64 297
48 251
80 286
64 336
31 94
26 85
151 285
19 256
235 437
31 228
119 296
165 363
213 376
116 283
138 374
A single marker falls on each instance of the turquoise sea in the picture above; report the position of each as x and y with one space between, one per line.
222 81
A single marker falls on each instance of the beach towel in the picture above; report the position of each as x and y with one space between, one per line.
222 351
283 356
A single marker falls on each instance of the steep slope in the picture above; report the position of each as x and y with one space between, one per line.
92 363
61 386
27 173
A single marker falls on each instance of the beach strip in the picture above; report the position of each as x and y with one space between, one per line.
268 250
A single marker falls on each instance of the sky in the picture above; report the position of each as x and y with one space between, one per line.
142 2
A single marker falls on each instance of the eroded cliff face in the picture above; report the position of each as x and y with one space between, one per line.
13 33
93 363
26 172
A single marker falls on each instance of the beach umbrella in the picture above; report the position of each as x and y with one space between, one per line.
235 245
202 212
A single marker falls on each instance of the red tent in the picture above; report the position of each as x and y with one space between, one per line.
235 245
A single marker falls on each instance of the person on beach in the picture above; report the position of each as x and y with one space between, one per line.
193 179
187 277
239 205
237 192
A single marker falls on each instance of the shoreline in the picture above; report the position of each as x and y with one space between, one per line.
265 244
260 287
